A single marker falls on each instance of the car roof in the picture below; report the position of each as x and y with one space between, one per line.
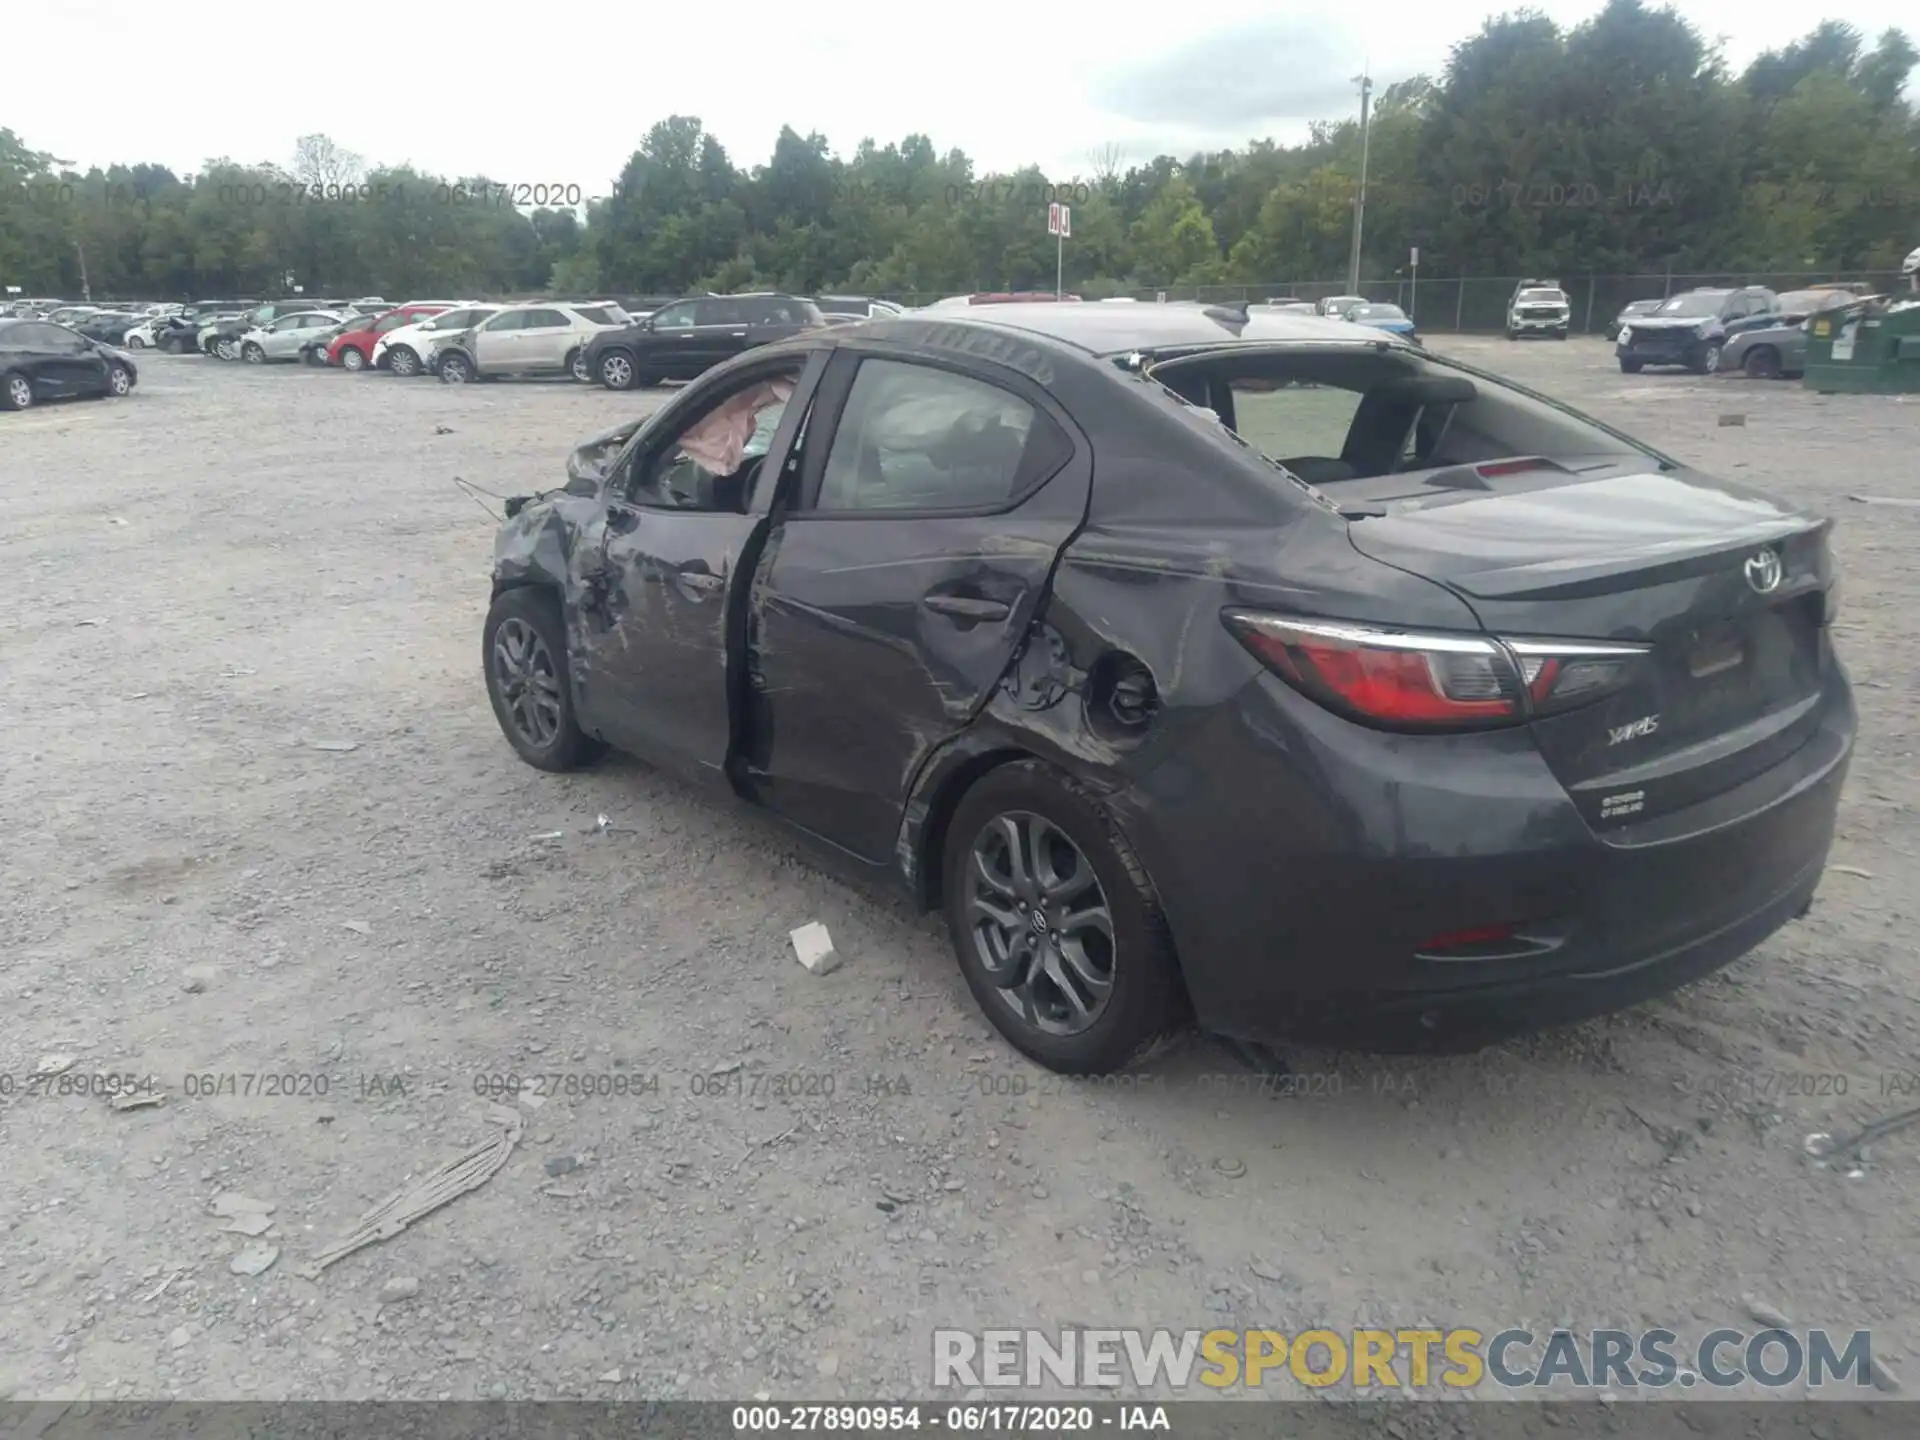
1108 330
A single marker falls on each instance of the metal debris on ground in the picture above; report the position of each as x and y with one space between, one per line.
254 1259
1829 1153
448 1183
1884 500
549 835
250 1223
813 947
338 747
358 927
51 1065
139 1100
229 1203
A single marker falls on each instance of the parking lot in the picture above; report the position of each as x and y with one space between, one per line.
261 823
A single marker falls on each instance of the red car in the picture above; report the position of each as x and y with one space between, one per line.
353 349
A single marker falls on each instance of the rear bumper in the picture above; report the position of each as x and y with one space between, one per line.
1304 883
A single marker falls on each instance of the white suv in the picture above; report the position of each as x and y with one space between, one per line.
405 350
540 338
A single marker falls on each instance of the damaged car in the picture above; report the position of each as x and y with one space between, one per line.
1310 687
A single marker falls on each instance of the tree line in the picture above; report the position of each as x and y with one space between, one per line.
1621 145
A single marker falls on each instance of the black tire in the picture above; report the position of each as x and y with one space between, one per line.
253 354
535 611
455 369
617 370
1513 334
402 360
1762 363
1147 1003
1559 334
16 392
1630 367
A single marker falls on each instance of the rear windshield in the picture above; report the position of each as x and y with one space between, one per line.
1330 414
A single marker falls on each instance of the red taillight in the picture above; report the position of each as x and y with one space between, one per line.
1386 676
1402 679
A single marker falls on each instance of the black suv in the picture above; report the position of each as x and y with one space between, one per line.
691 336
1688 329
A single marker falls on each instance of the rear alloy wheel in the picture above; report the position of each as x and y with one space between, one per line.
352 358
136 342
524 648
119 381
616 371
1056 926
1762 363
253 354
454 370
16 393
402 361
227 349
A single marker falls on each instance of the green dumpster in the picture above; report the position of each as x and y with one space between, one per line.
1871 347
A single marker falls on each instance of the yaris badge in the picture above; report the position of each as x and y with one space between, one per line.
1763 571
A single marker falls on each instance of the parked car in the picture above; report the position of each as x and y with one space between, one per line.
352 348
404 350
283 338
1688 329
1791 308
109 327
860 307
1539 307
1390 318
690 337
1772 352
40 360
544 338
221 335
1337 305
1369 804
1627 313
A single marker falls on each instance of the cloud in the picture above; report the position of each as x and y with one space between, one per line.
1268 71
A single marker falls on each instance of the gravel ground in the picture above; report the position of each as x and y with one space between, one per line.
260 822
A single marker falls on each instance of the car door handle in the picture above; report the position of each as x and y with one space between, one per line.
967 607
739 335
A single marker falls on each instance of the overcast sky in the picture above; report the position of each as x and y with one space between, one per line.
575 86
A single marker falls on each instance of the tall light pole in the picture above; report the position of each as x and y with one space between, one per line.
1360 196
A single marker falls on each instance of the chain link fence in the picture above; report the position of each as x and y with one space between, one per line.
1478 303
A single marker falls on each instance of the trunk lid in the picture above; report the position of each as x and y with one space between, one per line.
1615 551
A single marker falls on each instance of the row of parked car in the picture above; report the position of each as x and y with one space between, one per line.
617 342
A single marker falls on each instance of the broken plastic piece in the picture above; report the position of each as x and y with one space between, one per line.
813 946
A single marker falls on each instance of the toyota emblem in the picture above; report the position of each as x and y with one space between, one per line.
1763 571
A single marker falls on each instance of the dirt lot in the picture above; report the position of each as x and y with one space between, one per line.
218 585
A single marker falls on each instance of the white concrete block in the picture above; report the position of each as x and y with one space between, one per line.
814 948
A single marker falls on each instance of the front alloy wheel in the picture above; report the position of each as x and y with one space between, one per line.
524 648
18 393
1041 928
227 349
119 381
402 361
454 370
351 358
528 682
616 372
